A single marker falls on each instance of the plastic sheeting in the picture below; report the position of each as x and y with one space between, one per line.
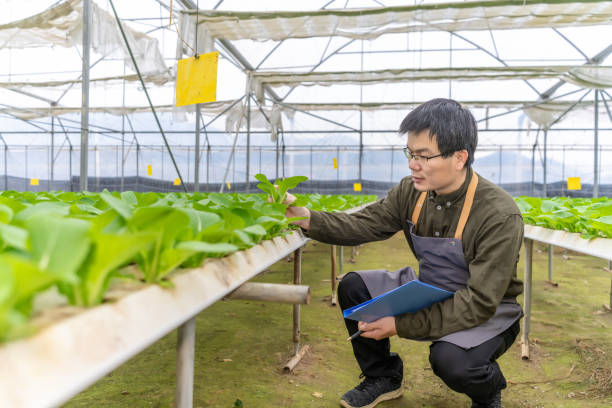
583 76
371 23
157 79
592 77
210 109
62 25
268 118
408 106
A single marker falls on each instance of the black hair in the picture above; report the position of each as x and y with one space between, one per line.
452 124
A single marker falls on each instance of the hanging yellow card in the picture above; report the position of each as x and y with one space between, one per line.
177 181
357 186
196 79
335 163
573 183
33 182
149 170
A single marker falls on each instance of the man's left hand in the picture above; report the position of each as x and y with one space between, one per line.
379 329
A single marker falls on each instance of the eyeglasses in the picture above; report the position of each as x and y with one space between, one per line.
418 157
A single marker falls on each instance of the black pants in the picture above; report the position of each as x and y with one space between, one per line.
469 371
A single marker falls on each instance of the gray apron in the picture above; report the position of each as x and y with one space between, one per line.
442 264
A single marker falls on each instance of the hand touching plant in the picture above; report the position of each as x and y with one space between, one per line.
299 216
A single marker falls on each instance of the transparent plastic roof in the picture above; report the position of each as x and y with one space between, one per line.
376 56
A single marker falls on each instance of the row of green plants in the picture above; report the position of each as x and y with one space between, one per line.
590 217
79 242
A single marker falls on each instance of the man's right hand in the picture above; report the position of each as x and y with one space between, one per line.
297 212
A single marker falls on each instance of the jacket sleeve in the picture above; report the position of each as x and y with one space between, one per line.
493 266
375 222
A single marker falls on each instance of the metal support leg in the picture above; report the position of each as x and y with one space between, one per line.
297 280
185 348
550 265
354 253
610 269
527 299
333 275
298 352
340 260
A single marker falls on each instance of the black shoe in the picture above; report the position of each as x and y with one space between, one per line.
494 403
372 391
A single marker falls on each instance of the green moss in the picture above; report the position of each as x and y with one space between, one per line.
566 328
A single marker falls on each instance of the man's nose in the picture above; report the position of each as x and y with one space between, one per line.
413 165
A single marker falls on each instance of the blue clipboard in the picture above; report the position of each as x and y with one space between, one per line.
408 298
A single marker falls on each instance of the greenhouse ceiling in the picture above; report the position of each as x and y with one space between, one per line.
358 64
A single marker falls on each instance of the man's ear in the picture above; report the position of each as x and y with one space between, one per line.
461 157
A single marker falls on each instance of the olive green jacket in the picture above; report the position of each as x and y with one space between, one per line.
491 243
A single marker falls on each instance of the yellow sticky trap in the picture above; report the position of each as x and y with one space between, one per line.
196 79
573 183
149 170
229 187
177 181
357 186
33 182
335 163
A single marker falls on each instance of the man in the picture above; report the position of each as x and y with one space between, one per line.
466 234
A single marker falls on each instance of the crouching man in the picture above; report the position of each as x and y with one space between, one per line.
466 234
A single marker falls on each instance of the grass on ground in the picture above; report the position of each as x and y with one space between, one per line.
241 346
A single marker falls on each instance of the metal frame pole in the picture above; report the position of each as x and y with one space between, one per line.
5 162
544 182
595 147
311 163
533 169
196 174
338 166
360 145
248 142
563 181
185 348
392 154
500 165
70 167
26 167
85 94
122 181
527 298
207 166
5 166
144 88
284 147
52 156
277 153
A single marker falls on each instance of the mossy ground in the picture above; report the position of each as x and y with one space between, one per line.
570 366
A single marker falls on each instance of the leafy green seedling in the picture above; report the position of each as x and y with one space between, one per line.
279 191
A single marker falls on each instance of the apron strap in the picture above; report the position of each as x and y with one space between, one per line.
418 208
467 205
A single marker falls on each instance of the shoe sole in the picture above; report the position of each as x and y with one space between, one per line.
383 397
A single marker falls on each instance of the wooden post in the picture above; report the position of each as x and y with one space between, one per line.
527 299
333 275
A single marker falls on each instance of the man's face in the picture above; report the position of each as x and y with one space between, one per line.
440 174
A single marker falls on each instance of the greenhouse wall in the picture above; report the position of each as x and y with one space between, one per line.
519 170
